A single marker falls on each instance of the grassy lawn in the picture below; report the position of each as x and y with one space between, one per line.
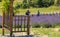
51 32
48 10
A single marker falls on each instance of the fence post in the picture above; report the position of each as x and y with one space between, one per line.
11 17
28 25
3 21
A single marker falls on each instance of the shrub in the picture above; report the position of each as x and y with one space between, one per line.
56 25
0 0
58 2
36 25
0 26
43 3
25 5
18 5
37 3
59 30
46 25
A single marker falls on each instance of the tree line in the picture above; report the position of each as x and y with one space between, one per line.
36 3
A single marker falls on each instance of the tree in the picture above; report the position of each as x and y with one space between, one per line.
16 8
58 2
0 0
5 4
26 3
36 3
40 3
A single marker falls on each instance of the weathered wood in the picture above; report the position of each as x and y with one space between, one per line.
21 22
18 23
24 22
28 25
10 21
11 16
15 24
3 21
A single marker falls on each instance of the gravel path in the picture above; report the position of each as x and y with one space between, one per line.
20 36
23 35
26 36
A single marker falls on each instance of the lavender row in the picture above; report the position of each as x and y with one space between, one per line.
41 19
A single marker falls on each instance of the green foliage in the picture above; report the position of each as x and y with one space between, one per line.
41 3
45 3
0 0
56 25
0 26
25 5
24 1
36 25
47 25
17 7
5 5
34 3
58 2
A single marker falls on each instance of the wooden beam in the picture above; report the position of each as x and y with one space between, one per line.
11 16
3 21
28 25
24 22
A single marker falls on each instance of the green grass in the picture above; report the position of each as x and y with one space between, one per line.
48 10
51 32
46 31
6 31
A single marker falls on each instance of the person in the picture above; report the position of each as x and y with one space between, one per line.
38 14
13 14
28 12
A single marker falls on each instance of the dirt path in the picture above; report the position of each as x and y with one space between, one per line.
19 35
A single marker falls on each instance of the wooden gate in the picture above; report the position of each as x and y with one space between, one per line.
21 23
15 23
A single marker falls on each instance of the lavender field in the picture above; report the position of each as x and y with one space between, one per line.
51 18
54 18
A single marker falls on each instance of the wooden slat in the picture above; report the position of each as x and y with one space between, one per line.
15 24
24 22
3 22
21 23
20 20
18 23
7 27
